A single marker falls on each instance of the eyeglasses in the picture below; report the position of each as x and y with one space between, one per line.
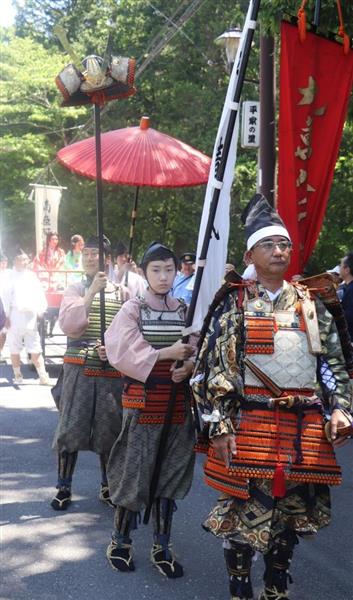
270 245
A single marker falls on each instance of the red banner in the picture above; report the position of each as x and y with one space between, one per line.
316 79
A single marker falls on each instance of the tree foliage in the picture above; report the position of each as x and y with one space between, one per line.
182 90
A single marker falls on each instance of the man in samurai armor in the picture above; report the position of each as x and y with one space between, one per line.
88 395
256 385
144 343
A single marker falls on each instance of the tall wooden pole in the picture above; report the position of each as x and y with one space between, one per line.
267 153
99 207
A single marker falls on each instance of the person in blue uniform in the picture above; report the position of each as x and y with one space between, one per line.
182 286
346 272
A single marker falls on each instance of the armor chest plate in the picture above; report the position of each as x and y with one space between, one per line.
161 328
112 306
287 361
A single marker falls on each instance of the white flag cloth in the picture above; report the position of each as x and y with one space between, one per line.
47 199
214 270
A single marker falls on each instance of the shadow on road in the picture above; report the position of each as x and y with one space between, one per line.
61 556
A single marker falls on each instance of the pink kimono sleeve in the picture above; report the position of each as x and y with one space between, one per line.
125 346
72 316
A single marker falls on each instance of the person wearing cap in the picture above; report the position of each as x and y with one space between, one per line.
346 272
183 283
255 382
89 401
24 302
143 342
123 271
335 271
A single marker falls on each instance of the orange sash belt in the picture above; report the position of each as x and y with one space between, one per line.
92 372
152 397
258 451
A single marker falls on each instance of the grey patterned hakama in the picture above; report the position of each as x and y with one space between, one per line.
133 456
90 412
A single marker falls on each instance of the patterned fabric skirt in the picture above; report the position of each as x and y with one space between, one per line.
305 509
133 457
90 412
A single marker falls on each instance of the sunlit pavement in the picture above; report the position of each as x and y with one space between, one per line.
61 556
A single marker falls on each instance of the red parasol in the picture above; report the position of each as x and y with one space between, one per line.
139 156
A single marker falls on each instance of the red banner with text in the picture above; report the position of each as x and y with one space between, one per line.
316 79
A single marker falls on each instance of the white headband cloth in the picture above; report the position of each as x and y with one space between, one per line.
265 232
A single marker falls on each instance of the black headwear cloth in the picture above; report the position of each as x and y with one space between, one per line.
188 258
93 242
261 220
120 248
157 251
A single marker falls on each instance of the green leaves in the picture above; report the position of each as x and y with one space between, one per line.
182 90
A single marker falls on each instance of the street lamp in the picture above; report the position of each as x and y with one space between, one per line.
229 40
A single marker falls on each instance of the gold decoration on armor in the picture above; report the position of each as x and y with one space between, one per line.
311 324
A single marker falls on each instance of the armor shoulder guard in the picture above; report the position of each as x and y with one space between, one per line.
233 283
322 287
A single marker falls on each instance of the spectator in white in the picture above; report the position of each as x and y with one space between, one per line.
135 283
24 301
337 280
4 272
2 315
250 272
228 268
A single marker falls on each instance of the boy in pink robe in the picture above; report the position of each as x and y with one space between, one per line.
144 343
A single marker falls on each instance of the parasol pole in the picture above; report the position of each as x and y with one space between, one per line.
144 126
248 33
99 206
317 14
132 229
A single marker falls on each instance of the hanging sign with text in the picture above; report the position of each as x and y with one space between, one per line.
250 131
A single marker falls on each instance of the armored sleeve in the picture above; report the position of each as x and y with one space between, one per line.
341 396
217 383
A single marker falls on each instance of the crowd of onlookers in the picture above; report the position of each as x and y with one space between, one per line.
27 291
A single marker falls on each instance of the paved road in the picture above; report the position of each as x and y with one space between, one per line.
53 556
